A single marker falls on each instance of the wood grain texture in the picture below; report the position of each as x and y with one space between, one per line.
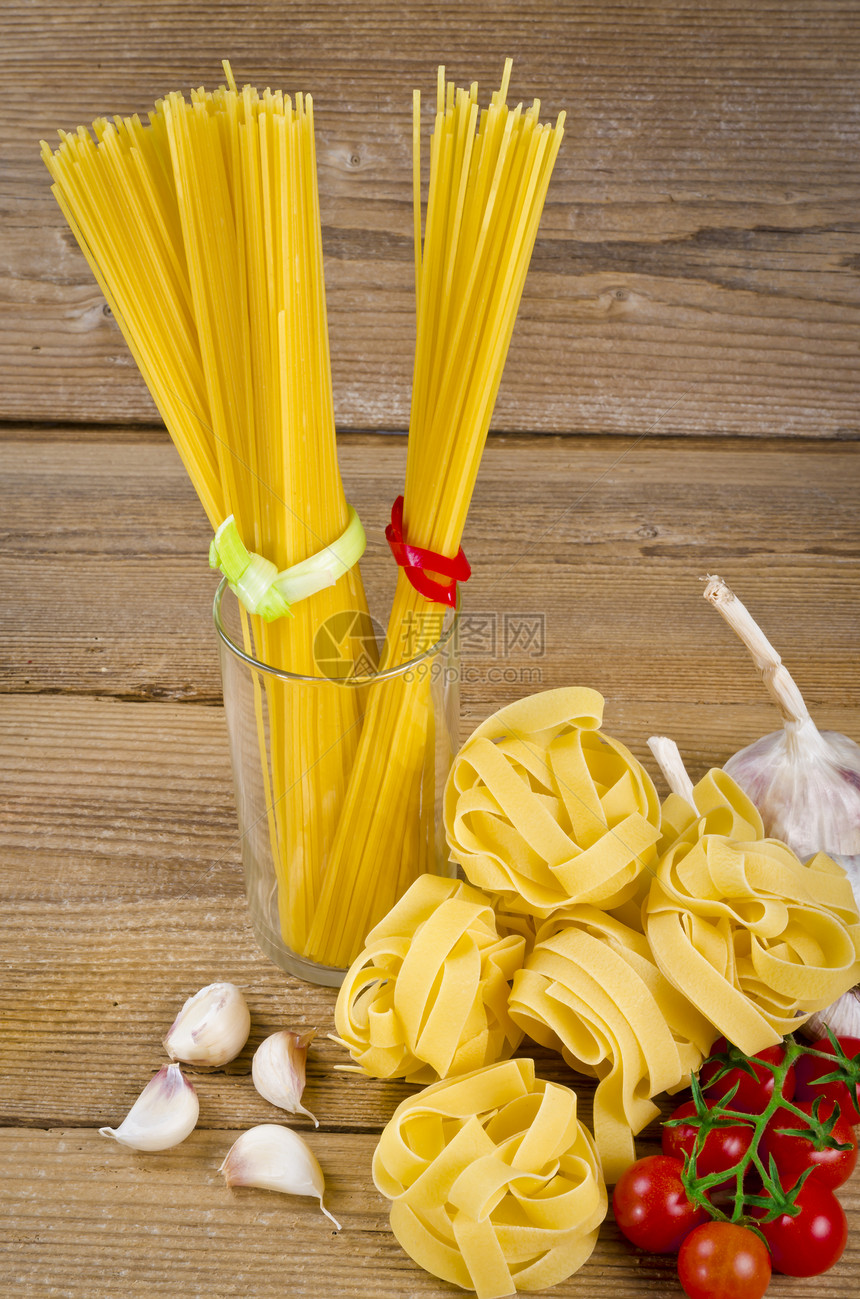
120 878
697 266
596 545
184 1234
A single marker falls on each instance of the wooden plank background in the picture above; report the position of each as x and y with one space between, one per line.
606 542
122 888
691 314
697 266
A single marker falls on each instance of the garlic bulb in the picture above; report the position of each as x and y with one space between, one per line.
164 1113
211 1028
805 782
278 1070
275 1159
843 1017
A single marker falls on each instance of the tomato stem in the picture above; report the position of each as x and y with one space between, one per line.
774 1197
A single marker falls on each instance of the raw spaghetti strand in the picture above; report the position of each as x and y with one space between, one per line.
202 229
487 191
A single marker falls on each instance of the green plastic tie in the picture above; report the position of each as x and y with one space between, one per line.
259 586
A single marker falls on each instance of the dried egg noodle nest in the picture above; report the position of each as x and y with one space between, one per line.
428 996
755 938
495 1184
722 807
545 811
591 990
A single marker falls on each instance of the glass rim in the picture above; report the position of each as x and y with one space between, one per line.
354 682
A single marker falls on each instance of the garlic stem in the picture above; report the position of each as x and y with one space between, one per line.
775 674
668 758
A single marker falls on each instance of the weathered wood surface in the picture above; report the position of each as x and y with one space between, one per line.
107 590
697 266
183 1233
121 879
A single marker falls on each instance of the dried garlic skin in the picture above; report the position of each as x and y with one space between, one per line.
806 784
843 1017
164 1113
211 1028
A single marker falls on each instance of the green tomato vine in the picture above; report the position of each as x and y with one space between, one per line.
740 1192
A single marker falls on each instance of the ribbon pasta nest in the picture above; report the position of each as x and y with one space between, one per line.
545 811
754 937
739 938
495 1184
623 935
428 996
592 991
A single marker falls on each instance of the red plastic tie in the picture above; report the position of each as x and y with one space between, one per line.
415 560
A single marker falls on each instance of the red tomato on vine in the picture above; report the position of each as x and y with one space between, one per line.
755 1088
810 1071
722 1148
651 1206
811 1241
793 1154
722 1260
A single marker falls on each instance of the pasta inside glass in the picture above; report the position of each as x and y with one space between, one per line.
271 713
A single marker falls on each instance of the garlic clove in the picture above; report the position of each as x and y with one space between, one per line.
164 1113
274 1158
278 1070
211 1028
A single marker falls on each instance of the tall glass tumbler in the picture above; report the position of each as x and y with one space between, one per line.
267 709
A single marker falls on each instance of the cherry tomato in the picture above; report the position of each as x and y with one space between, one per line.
651 1205
754 1092
793 1154
809 1070
722 1149
812 1241
721 1260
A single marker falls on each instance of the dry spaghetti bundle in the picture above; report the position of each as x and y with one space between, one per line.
489 173
202 229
